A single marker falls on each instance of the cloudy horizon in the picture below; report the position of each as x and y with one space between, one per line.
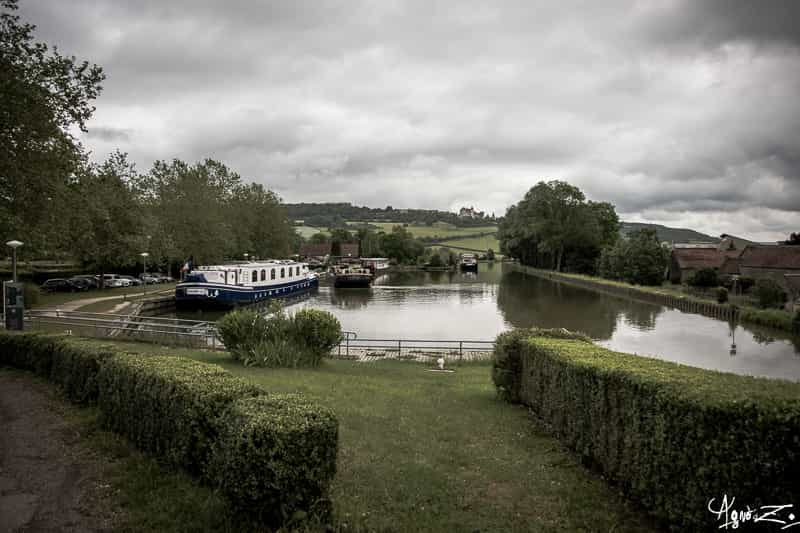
678 112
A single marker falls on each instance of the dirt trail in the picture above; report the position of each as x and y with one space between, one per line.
48 480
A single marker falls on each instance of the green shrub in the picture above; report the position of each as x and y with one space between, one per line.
435 261
705 277
769 293
722 295
319 330
28 351
239 329
168 406
280 340
746 283
507 357
773 318
275 459
75 369
670 436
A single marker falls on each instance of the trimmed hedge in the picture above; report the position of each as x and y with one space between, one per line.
671 436
169 406
275 458
507 357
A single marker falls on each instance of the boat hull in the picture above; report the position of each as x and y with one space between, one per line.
204 294
352 281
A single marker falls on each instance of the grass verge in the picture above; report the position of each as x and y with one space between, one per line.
422 451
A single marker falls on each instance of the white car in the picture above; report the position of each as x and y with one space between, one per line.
112 281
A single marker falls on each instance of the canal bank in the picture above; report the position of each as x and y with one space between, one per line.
688 304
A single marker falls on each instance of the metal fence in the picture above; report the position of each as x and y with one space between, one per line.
203 334
426 350
175 331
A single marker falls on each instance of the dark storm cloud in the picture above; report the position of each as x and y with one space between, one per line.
677 111
714 22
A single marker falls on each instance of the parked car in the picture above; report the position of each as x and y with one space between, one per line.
81 284
89 279
163 278
112 281
59 285
149 279
132 280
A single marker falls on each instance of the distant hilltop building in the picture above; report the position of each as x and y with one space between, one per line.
470 212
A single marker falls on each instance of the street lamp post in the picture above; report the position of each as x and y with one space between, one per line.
144 271
14 245
245 256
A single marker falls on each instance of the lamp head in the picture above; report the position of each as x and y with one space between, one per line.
14 244
144 254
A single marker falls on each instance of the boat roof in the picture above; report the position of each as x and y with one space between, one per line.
250 264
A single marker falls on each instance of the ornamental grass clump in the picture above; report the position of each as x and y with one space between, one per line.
280 340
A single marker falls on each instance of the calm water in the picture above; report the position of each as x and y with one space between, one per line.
469 306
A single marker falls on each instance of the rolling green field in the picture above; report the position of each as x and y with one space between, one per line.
423 451
308 231
476 243
434 231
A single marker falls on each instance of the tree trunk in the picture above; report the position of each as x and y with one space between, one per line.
558 260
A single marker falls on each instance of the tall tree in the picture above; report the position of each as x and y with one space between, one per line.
43 94
554 226
107 231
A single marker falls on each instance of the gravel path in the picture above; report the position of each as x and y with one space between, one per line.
49 481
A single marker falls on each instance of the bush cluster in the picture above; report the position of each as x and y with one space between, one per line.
200 417
721 294
769 293
639 259
670 436
705 277
279 340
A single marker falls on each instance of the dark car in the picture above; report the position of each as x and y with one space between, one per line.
88 280
60 285
81 284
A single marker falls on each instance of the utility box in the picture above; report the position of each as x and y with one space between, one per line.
14 305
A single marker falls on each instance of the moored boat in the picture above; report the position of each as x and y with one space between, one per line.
243 283
469 262
351 276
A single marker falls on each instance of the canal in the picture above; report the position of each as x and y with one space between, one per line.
469 306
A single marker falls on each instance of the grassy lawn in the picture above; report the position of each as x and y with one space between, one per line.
422 451
476 243
308 231
433 231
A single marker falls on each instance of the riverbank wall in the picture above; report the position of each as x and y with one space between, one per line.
155 306
684 303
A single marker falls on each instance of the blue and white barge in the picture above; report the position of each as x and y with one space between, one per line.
244 283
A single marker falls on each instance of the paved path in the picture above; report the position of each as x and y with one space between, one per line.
74 305
49 481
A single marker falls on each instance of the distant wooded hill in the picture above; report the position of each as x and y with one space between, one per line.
668 234
338 215
335 215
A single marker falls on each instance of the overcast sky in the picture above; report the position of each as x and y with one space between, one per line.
684 113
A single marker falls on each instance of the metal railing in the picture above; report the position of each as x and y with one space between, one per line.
122 326
203 334
353 347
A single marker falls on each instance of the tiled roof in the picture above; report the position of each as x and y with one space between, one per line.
698 257
776 257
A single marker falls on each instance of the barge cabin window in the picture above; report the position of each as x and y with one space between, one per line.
272 274
263 275
283 273
255 276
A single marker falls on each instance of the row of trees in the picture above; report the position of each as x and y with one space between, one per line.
105 215
399 244
555 227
